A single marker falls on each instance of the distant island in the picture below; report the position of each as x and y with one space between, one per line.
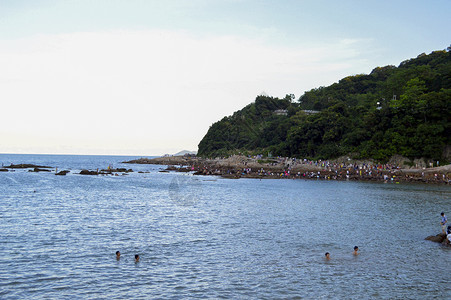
393 111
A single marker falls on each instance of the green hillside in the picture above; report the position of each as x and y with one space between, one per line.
403 110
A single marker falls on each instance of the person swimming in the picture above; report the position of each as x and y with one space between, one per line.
327 255
136 257
356 249
118 255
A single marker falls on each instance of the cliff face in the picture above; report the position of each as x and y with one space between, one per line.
404 110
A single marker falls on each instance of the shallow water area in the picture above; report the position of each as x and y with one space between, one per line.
207 237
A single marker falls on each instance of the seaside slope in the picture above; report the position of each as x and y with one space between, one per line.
404 110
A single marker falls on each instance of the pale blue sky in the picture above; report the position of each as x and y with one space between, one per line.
169 69
394 26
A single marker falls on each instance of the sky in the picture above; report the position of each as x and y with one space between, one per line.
150 77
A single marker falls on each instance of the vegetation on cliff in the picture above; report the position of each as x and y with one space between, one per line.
404 110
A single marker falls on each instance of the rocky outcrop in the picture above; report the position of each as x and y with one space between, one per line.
3 170
178 169
118 170
39 170
62 173
106 172
140 161
26 166
88 172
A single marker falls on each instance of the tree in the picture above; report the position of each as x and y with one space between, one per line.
409 100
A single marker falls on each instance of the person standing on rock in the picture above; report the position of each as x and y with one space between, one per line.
443 222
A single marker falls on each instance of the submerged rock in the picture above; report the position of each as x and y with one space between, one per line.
3 170
439 238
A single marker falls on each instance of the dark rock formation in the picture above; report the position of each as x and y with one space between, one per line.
26 166
139 161
439 238
62 173
106 172
178 169
39 170
3 170
118 170
87 172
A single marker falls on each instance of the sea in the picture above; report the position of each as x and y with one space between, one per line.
212 238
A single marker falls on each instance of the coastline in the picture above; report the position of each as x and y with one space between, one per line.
289 168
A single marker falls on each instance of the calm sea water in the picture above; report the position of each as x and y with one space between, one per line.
207 237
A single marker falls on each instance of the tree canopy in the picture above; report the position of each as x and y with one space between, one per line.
403 110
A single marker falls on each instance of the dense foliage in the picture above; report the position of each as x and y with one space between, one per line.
403 110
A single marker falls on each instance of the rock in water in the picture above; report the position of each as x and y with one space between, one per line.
87 172
39 170
439 238
26 166
62 173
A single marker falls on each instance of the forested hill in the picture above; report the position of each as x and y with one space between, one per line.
404 110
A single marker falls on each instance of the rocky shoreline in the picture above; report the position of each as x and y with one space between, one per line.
37 168
239 166
256 167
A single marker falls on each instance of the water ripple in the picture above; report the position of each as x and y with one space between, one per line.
236 239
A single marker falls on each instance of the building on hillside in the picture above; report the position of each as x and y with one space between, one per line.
281 112
310 112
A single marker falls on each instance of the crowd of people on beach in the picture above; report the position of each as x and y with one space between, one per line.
292 168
